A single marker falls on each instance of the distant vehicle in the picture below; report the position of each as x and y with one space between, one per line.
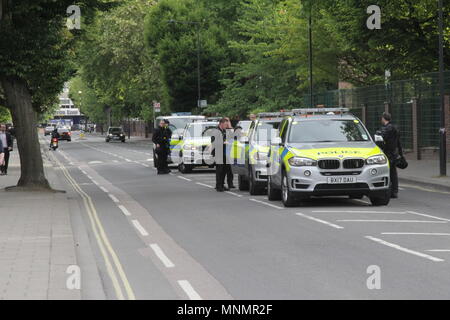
115 133
177 125
48 130
194 141
64 134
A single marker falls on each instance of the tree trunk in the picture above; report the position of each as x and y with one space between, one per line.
18 100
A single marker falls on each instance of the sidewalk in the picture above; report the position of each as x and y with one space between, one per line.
425 173
36 240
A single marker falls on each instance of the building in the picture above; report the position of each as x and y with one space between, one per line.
67 114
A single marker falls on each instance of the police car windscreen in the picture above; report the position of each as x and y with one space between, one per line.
327 131
264 131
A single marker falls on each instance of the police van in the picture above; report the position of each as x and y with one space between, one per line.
326 152
249 153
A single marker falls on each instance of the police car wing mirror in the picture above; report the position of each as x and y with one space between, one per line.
378 138
276 141
243 139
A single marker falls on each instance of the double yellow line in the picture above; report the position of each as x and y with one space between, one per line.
116 274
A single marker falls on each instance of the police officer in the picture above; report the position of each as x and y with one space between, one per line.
161 139
392 148
222 166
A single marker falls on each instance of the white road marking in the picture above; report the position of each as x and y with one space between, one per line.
162 256
89 177
95 162
234 194
124 210
205 185
319 220
149 159
191 293
139 227
439 250
181 177
399 221
95 182
267 204
357 211
104 189
417 233
128 160
147 166
113 198
428 216
395 246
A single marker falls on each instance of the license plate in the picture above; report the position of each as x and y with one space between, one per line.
339 180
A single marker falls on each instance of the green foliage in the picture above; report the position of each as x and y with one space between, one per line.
5 116
115 70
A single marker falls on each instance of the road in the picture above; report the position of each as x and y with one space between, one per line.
174 237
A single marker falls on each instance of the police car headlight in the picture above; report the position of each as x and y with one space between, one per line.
261 156
302 162
379 159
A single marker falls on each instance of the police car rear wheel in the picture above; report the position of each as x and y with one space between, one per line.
185 168
273 194
286 195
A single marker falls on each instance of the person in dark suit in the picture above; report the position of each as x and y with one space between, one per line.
392 148
161 139
7 147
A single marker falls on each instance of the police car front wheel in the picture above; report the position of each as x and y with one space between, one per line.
287 196
380 198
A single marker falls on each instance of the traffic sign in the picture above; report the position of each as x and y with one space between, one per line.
156 107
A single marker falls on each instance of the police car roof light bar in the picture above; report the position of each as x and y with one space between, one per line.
274 114
320 110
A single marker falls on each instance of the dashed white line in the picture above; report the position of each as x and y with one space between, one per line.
124 210
162 256
395 246
183 178
428 216
391 221
319 220
357 211
439 250
113 198
104 189
189 290
139 227
205 185
267 204
234 194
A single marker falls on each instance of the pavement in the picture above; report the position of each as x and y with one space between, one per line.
425 173
36 240
138 235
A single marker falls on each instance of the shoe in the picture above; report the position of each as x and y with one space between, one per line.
226 189
220 189
163 172
232 186
394 196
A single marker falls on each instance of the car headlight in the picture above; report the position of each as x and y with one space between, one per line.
110 135
378 159
261 156
302 162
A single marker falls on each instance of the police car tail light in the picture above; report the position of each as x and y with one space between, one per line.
302 162
378 159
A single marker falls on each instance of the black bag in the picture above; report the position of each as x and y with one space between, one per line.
401 162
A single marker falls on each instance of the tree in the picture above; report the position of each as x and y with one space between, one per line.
35 54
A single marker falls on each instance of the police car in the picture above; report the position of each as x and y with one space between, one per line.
326 152
192 150
177 125
249 153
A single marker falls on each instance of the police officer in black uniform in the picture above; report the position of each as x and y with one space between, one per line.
161 139
392 148
222 165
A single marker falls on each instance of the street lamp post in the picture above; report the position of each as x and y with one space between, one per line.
197 24
442 133
310 56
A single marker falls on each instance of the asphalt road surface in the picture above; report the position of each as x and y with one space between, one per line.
174 237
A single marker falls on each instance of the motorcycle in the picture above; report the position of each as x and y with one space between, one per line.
54 144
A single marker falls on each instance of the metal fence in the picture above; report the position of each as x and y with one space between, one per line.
401 99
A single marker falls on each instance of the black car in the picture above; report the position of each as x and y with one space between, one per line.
115 133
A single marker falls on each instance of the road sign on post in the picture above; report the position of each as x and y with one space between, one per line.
156 107
202 103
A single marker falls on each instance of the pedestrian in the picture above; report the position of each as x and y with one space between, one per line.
7 147
252 117
392 148
222 166
161 139
229 171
